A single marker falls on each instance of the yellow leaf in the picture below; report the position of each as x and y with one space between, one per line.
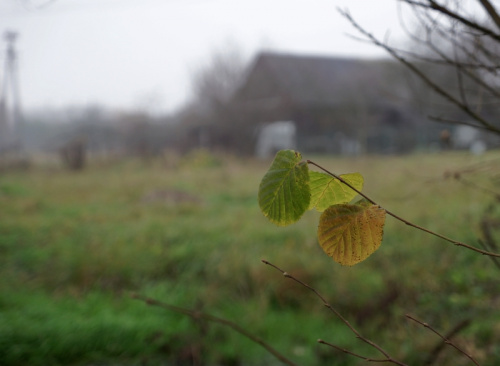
351 233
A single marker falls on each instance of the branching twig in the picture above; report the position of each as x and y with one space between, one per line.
487 125
433 355
489 242
458 177
199 315
490 9
455 242
496 262
447 12
345 321
445 339
482 166
368 359
456 122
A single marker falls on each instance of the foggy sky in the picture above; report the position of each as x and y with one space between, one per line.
140 53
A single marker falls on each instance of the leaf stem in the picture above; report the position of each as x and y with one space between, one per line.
455 242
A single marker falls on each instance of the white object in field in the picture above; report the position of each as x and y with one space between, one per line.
276 136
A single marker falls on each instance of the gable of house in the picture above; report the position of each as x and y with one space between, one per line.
330 99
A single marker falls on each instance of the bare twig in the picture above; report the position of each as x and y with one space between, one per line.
446 340
496 262
433 355
345 321
457 42
444 34
444 60
489 242
459 72
487 125
199 315
455 242
456 122
458 177
482 166
368 359
490 9
433 5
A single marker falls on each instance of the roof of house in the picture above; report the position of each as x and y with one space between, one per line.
316 80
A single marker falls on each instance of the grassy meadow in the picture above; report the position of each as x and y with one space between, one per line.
187 231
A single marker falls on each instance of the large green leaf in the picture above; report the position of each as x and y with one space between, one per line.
284 193
351 233
327 190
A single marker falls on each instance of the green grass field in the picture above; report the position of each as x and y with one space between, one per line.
74 247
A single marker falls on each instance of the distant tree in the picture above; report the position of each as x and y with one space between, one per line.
215 83
213 118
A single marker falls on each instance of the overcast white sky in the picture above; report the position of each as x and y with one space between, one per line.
140 53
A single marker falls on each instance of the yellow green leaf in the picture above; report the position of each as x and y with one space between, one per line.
351 233
327 190
284 193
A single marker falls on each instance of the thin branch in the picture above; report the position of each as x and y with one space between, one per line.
368 359
489 242
495 260
443 61
445 339
461 87
424 21
445 34
433 355
458 177
456 122
474 54
464 67
457 43
455 242
338 315
482 166
459 72
421 75
471 54
433 5
490 9
199 315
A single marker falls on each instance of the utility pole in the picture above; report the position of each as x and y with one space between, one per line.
10 105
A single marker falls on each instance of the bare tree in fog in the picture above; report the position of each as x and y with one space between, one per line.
215 83
214 119
459 38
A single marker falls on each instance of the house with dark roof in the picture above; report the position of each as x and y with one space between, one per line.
338 105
